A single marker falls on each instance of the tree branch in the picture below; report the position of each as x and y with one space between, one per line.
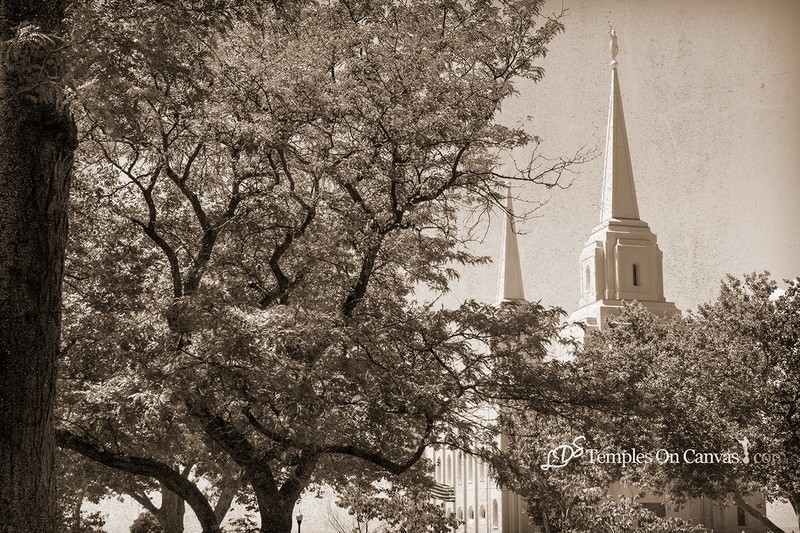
235 443
149 229
223 505
348 449
367 269
758 515
180 182
143 500
377 459
143 466
298 480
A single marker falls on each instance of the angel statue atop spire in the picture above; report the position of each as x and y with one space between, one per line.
614 46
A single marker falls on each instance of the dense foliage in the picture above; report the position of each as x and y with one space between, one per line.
261 193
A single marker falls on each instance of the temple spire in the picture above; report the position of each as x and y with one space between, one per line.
619 192
621 261
510 283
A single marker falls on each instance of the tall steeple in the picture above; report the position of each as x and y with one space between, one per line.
509 287
619 192
621 260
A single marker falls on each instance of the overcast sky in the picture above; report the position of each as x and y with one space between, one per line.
711 94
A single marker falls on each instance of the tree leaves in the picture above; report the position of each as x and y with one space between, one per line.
702 383
261 192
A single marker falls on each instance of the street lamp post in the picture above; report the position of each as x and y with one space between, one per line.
299 521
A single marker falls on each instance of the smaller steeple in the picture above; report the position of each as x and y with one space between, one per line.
619 192
509 287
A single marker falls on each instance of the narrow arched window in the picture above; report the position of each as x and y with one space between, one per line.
482 512
587 278
635 275
495 521
469 468
448 470
471 513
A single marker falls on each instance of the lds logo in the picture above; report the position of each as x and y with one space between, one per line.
561 455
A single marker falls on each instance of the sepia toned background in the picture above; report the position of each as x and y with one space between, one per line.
711 94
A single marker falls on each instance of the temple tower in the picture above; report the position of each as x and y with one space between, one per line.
621 260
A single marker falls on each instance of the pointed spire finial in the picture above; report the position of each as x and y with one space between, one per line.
510 282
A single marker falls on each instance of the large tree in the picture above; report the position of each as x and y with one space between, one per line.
262 192
741 393
37 139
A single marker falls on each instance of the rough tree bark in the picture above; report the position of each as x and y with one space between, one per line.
276 516
37 140
172 510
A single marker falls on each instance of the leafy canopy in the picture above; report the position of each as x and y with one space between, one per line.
260 192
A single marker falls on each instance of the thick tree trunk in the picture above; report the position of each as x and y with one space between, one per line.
223 505
274 510
276 515
170 515
276 506
37 140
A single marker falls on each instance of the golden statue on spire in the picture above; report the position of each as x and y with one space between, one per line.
614 46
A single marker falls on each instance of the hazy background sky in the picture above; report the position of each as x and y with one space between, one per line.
711 94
